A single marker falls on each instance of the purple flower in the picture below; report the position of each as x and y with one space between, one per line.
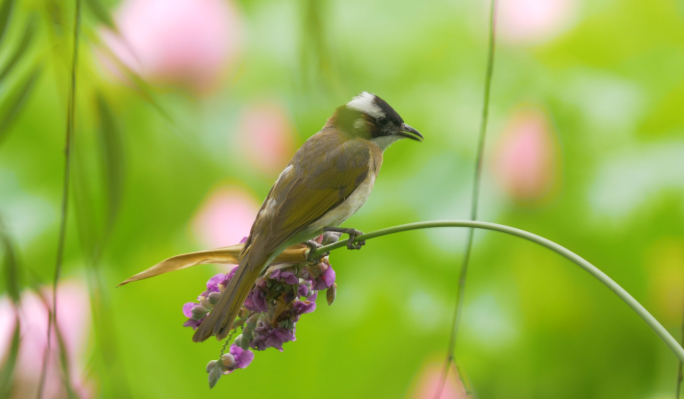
325 280
284 276
313 297
213 283
301 307
277 337
266 336
305 291
242 357
193 323
271 322
193 320
187 308
256 301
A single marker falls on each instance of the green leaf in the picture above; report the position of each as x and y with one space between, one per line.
143 88
5 14
17 101
64 363
10 264
8 368
56 13
21 48
111 147
101 13
214 374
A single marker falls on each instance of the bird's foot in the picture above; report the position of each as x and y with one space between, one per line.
353 233
313 246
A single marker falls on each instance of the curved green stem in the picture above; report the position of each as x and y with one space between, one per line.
593 270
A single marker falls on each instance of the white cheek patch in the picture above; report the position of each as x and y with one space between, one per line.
359 124
385 141
365 102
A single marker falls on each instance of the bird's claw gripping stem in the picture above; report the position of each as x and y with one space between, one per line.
353 233
313 246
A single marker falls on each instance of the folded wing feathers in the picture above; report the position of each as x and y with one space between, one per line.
225 255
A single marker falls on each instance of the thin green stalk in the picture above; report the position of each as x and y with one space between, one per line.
679 380
680 376
474 203
593 270
71 110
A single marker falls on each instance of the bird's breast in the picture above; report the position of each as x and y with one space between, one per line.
348 207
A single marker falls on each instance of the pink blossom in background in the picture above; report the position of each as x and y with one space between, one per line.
225 217
183 42
430 379
524 158
527 21
266 137
73 318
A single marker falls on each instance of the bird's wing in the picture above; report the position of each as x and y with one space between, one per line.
323 173
323 176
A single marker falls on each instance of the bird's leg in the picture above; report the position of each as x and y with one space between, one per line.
313 245
352 236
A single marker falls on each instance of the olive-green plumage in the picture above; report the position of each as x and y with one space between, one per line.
327 181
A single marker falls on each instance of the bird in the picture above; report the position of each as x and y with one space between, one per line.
328 180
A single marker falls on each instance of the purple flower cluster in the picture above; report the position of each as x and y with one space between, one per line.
236 358
196 312
279 299
270 313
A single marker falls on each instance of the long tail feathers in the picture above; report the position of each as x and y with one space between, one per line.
220 320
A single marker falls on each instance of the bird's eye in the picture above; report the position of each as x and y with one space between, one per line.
382 120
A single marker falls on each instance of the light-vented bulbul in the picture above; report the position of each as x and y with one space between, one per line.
328 180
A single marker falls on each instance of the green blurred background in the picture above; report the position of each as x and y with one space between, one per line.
585 147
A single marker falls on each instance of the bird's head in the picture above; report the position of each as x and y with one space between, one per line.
370 117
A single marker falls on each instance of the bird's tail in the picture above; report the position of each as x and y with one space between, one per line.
221 319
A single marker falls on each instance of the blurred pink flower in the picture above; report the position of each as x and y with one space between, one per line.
430 380
184 42
266 137
73 318
225 217
525 21
524 158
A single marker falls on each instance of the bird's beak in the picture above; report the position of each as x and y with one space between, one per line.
410 133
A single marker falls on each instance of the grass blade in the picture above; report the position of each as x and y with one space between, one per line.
63 356
7 371
56 13
11 264
21 48
680 375
139 84
111 148
12 276
94 237
71 110
64 364
13 289
17 101
101 13
105 335
5 14
479 158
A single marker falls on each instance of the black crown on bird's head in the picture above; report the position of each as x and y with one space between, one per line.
370 117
